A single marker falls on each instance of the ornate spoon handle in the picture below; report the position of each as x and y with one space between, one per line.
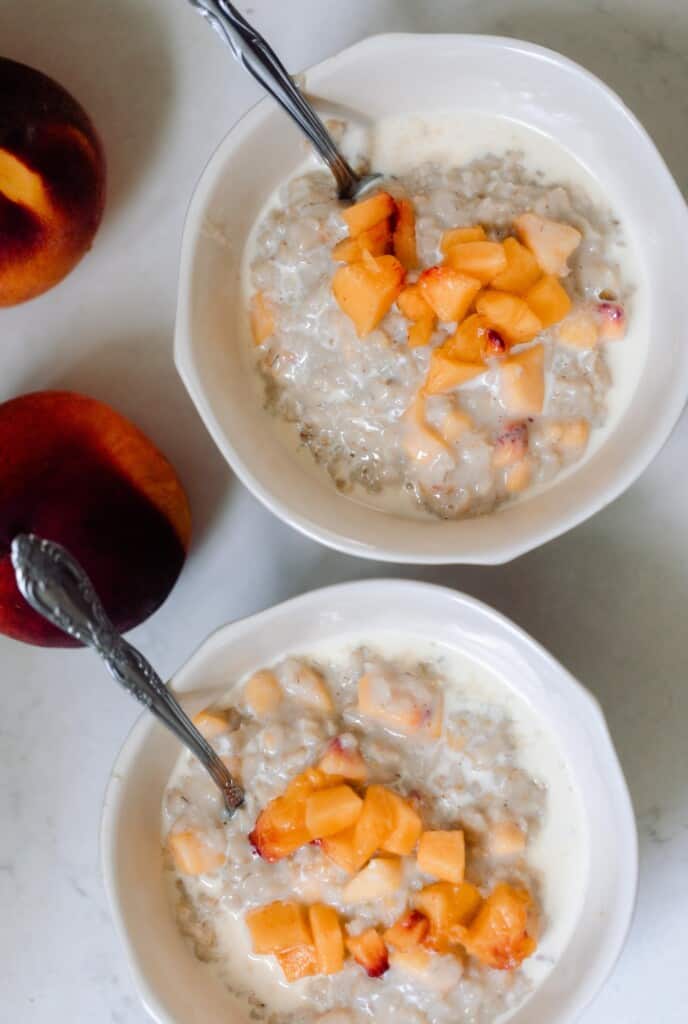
261 61
56 586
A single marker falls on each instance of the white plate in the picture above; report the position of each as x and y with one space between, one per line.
421 73
176 988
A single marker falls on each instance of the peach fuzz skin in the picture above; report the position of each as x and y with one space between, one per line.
52 183
75 471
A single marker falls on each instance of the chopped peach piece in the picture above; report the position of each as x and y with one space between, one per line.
550 241
475 340
522 382
376 240
369 950
399 709
344 759
342 850
262 318
415 960
330 811
446 373
575 435
366 290
482 260
262 693
421 443
380 878
579 330
511 445
404 238
611 320
211 722
447 908
328 938
549 300
420 332
298 962
443 854
405 829
369 212
278 926
510 315
455 424
280 828
522 269
456 236
518 476
412 304
506 839
375 823
408 931
498 936
193 856
308 685
449 292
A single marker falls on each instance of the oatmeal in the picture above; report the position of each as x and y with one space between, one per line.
447 337
384 863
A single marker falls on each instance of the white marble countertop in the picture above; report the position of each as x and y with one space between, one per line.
609 599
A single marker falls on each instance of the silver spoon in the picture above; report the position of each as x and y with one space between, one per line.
56 586
261 61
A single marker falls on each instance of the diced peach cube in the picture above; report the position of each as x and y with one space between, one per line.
366 290
308 685
413 961
375 824
518 476
262 318
449 292
412 304
550 241
404 238
420 332
298 962
369 950
328 938
330 811
342 850
343 758
421 442
611 320
549 300
455 424
376 240
575 435
482 260
406 827
511 445
448 907
193 855
446 373
281 828
498 936
278 926
380 878
456 236
443 854
506 839
468 341
522 269
510 315
522 382
408 931
579 330
403 710
262 693
211 722
368 212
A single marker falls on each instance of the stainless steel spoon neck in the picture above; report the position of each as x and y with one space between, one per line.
261 61
56 587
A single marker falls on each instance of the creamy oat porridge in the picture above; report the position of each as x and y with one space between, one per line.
410 846
445 343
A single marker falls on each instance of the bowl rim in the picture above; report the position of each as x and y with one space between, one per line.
576 695
508 547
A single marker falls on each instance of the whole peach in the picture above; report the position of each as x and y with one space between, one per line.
75 471
52 182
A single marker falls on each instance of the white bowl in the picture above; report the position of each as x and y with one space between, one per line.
480 73
176 988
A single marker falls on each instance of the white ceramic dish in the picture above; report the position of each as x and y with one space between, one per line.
177 989
518 80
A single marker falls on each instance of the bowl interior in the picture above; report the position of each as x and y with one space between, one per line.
175 987
460 73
